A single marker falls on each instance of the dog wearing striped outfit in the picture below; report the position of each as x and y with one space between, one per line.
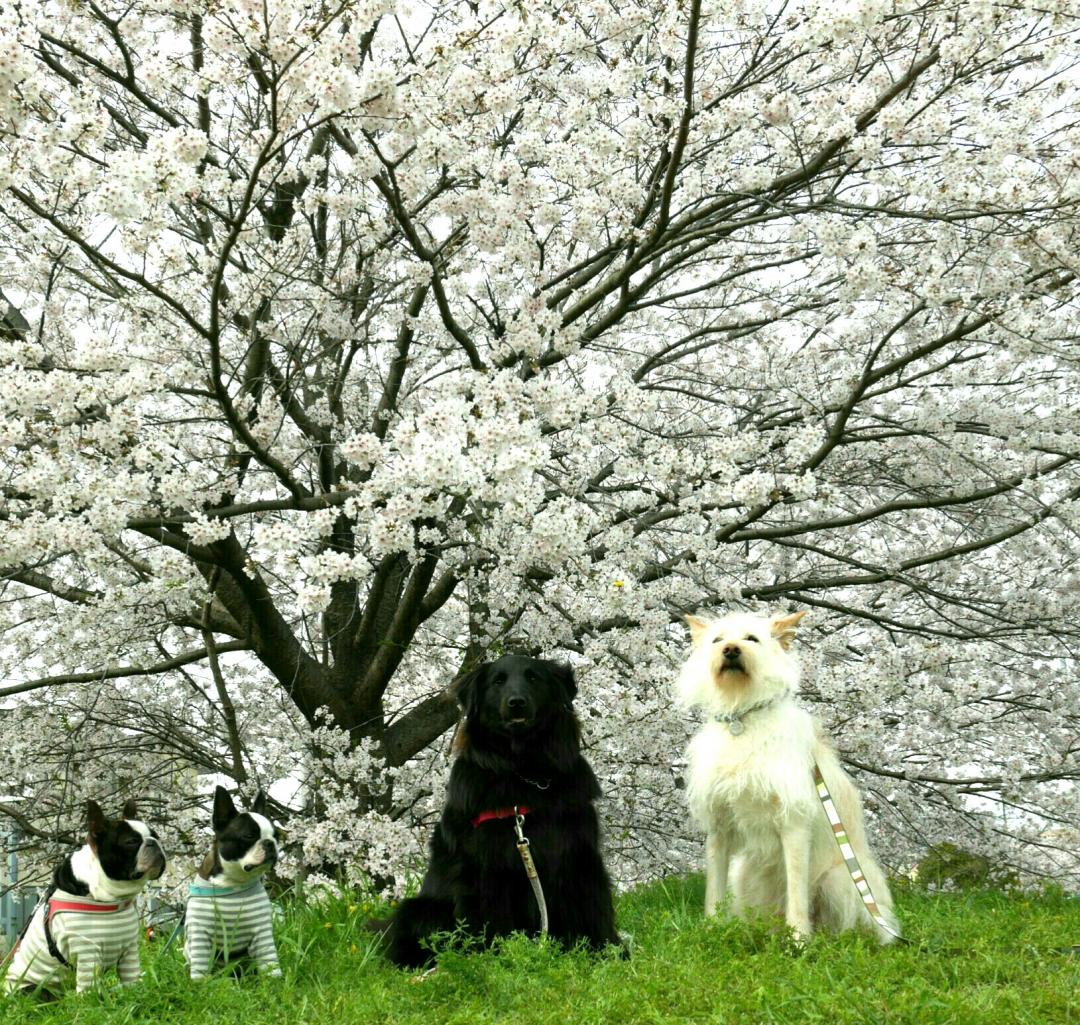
229 917
752 786
87 922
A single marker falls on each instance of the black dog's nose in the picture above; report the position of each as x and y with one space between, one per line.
732 652
516 704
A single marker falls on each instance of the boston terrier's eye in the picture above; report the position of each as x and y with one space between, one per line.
133 841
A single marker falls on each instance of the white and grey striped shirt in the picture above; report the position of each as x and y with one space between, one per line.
226 921
92 940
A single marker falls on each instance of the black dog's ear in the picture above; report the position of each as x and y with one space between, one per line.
96 823
224 809
131 810
466 689
259 804
564 676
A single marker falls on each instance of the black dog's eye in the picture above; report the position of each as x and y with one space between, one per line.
498 681
751 637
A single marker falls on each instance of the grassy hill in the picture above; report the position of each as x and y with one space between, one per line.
979 958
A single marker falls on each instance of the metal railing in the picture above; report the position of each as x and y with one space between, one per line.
16 902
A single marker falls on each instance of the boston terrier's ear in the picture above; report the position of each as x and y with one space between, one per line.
224 809
130 810
96 823
259 804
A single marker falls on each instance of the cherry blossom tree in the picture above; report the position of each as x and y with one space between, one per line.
346 344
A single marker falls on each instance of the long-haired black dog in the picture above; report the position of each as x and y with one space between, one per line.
518 745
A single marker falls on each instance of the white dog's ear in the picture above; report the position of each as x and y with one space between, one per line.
698 627
783 628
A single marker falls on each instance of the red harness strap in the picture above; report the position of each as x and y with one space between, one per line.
500 813
93 909
55 907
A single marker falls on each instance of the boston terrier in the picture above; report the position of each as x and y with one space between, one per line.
228 917
87 921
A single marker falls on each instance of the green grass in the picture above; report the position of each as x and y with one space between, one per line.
979 958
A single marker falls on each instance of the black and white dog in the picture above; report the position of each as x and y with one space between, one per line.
87 922
518 750
228 916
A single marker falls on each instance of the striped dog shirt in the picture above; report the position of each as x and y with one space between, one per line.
227 922
91 936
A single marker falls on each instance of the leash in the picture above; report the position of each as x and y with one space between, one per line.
177 931
847 852
530 868
518 813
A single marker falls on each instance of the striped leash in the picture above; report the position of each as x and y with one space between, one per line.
847 852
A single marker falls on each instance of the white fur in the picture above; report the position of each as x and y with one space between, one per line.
753 793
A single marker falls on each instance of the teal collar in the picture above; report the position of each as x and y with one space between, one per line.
194 890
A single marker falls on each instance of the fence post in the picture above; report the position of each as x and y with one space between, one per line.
15 905
8 929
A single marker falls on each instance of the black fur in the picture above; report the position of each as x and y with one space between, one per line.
518 745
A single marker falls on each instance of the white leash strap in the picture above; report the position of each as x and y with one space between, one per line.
847 852
530 869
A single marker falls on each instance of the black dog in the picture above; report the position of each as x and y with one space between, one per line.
517 747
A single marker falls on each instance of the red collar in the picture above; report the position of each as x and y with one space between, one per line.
500 813
86 907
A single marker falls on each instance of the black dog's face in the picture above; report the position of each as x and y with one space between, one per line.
516 694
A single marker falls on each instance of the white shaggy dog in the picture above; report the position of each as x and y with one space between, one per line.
751 783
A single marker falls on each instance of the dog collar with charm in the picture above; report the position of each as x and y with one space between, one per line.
500 813
734 720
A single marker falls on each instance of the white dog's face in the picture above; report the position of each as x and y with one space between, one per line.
738 658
